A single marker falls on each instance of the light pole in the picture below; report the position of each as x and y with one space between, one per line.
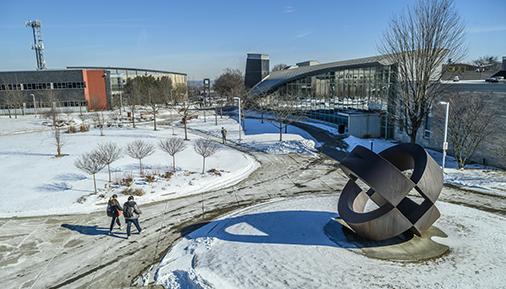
34 105
239 106
445 143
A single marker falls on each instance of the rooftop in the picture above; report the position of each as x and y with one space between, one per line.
278 78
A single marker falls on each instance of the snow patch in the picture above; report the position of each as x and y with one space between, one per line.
294 252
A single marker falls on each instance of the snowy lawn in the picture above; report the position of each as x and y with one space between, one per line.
258 135
34 182
23 124
283 245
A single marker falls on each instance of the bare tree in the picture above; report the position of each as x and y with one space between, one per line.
283 108
140 149
180 93
486 60
167 89
17 102
99 119
152 94
110 152
230 83
91 163
418 43
54 115
501 151
132 91
470 122
205 148
172 146
13 100
185 113
280 66
57 133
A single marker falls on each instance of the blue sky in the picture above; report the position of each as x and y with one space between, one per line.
202 38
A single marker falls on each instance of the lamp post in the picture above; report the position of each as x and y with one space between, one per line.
445 143
34 105
239 106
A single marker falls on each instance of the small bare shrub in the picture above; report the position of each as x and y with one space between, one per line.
150 178
167 175
81 200
84 127
127 180
72 129
133 192
214 172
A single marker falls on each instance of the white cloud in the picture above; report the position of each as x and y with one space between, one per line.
303 34
288 9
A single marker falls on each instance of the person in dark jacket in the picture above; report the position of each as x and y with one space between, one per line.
223 135
131 213
114 210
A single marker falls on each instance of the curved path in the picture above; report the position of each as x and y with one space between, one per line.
74 251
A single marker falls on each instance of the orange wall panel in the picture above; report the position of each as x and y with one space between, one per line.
95 92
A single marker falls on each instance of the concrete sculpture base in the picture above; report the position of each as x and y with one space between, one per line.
407 247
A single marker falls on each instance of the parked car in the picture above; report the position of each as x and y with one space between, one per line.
491 79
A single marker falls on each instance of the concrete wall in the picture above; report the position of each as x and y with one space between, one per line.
48 76
495 96
364 125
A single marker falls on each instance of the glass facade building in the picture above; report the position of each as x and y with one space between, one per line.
332 91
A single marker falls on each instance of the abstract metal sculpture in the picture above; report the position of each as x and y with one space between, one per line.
390 176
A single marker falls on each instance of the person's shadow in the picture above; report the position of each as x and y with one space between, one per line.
92 230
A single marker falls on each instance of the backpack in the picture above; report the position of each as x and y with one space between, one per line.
110 211
128 211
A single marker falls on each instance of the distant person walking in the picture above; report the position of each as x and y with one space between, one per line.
223 135
114 210
131 213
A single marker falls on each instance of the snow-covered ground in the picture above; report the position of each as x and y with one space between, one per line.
34 182
258 135
22 124
283 245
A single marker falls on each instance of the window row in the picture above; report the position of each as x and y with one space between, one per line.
43 85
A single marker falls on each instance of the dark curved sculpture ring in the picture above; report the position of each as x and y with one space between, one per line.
390 175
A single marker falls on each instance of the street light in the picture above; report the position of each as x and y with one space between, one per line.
445 143
239 106
34 105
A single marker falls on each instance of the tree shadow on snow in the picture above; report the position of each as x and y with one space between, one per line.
92 230
20 153
310 228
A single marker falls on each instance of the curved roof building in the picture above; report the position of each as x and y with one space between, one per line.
277 79
352 94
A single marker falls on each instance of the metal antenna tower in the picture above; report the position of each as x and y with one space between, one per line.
38 45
